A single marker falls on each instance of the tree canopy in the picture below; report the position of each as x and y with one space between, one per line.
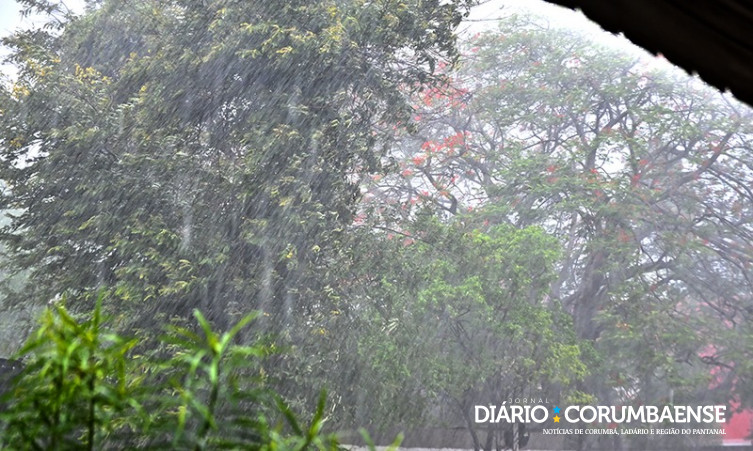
191 153
643 176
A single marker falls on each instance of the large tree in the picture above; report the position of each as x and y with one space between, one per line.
643 175
455 315
201 153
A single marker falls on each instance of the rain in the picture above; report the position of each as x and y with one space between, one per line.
366 224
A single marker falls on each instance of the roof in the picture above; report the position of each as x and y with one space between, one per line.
711 38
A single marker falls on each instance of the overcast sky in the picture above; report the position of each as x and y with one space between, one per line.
9 16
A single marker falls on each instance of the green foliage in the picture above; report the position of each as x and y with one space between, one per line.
456 314
200 154
566 222
73 390
641 174
13 317
82 388
182 155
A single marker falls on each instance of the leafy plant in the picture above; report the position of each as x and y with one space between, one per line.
82 388
73 387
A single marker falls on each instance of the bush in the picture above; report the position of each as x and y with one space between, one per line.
83 388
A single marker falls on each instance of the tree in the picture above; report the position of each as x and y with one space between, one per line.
190 153
448 316
642 175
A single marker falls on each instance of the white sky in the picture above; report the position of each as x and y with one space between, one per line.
492 9
557 16
10 15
